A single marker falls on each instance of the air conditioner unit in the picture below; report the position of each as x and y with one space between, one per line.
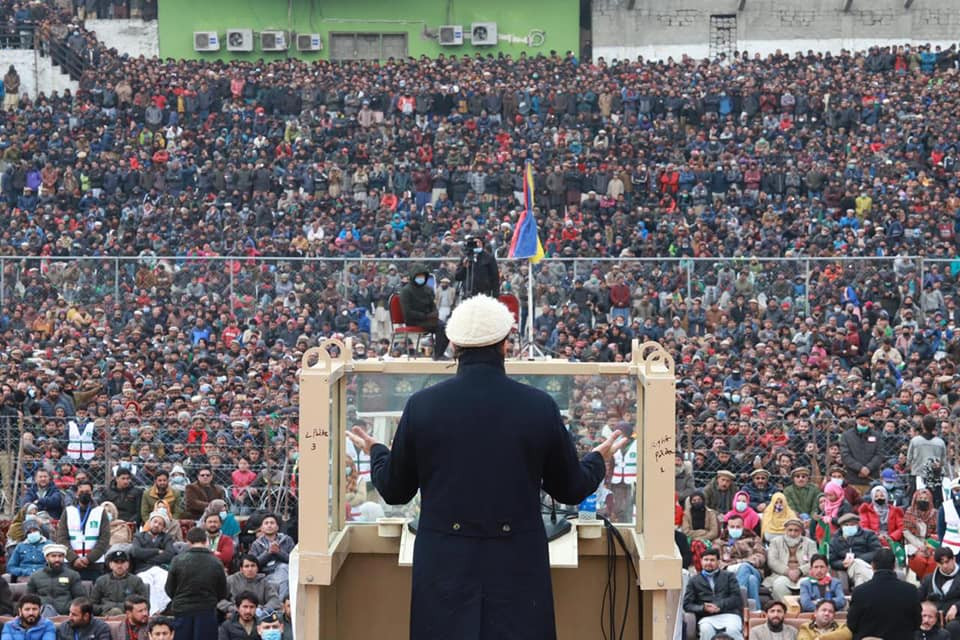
239 39
483 34
273 41
309 42
451 35
206 41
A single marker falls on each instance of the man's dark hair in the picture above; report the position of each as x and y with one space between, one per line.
133 601
249 557
929 423
196 535
29 598
942 553
828 601
819 556
165 474
84 483
160 621
884 560
710 552
247 595
122 471
775 603
84 604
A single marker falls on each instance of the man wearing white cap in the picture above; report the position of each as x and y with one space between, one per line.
479 447
56 584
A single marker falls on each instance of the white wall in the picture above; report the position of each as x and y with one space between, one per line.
658 29
763 47
36 72
134 37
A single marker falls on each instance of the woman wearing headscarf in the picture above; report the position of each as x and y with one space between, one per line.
881 517
830 506
775 516
228 522
742 508
699 521
920 525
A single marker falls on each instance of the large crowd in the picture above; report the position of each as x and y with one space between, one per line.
177 233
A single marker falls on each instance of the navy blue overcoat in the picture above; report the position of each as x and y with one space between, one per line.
479 446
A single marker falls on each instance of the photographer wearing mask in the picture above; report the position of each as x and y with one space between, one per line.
420 308
478 272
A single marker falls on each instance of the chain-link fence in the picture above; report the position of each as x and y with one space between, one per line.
149 338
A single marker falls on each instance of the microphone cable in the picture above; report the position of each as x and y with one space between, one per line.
609 600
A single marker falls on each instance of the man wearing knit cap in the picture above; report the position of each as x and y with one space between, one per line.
479 447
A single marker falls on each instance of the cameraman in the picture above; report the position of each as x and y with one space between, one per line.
478 272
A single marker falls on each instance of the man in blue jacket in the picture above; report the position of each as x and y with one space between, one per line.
44 494
27 557
480 447
28 625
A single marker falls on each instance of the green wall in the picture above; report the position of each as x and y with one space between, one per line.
178 19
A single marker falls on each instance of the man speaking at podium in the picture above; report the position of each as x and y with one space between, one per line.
479 447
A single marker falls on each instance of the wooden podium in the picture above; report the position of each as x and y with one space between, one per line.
351 580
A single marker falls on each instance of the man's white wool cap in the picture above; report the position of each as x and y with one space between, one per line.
479 321
54 548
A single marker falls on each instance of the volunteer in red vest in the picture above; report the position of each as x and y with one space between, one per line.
84 529
948 519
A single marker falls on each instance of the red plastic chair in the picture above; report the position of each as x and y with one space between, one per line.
512 303
398 327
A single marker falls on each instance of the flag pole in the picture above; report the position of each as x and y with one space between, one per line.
530 344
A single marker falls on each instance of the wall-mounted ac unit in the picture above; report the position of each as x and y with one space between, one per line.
206 41
239 39
483 34
451 35
273 40
309 42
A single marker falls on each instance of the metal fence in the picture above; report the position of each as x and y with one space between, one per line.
246 286
237 279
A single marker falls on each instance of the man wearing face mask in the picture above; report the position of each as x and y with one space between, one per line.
788 557
861 453
27 557
270 626
714 597
742 553
85 530
420 309
773 628
853 550
478 273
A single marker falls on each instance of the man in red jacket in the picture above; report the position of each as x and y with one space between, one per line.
219 544
620 300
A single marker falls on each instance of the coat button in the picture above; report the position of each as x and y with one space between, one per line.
456 526
505 528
